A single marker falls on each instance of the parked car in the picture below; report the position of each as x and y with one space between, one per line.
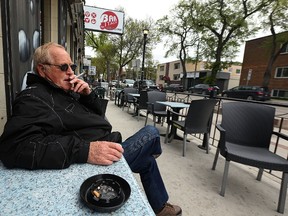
147 84
174 88
113 83
204 89
127 83
248 92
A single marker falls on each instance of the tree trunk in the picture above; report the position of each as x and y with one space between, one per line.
267 74
183 57
274 55
108 71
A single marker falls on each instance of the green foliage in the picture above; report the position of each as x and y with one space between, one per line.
180 32
121 50
219 25
211 29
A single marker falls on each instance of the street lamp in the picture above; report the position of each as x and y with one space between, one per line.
143 73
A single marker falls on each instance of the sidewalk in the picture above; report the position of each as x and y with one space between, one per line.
192 184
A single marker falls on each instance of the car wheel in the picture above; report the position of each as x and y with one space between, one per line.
250 98
224 95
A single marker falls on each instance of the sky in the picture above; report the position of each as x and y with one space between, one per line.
141 10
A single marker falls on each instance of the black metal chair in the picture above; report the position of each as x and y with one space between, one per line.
155 109
245 135
128 99
198 120
100 91
141 103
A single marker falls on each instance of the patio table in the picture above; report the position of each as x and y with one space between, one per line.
136 96
176 107
56 192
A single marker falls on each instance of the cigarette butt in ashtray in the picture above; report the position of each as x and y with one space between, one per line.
79 75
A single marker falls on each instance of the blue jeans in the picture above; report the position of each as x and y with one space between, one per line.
138 152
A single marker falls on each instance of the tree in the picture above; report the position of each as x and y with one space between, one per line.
224 24
122 49
130 44
277 19
180 32
104 48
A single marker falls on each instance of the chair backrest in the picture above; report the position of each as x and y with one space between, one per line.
199 116
24 84
126 91
248 123
154 96
143 99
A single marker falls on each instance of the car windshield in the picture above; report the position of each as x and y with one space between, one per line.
149 82
201 86
129 81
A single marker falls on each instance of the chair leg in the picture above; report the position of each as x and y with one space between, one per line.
138 113
206 141
146 119
260 173
215 159
283 192
224 179
184 144
162 121
154 120
172 136
167 133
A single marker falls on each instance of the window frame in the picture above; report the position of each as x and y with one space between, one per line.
284 49
279 75
176 66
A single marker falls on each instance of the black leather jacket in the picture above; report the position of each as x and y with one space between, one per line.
51 128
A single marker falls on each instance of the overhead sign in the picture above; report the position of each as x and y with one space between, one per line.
249 74
103 20
92 70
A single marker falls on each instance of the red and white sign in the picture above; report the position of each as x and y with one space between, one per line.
104 20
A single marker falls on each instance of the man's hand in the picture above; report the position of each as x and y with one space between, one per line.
79 85
104 153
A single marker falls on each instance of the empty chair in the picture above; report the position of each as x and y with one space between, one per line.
127 98
141 102
198 120
24 84
100 91
245 135
154 108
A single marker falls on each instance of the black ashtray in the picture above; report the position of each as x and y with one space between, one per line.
105 192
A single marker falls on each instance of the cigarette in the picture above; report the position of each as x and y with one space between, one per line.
80 75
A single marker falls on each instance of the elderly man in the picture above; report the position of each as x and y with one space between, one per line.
57 121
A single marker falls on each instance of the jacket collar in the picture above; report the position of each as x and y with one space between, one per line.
33 78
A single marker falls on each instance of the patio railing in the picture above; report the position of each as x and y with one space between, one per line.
278 146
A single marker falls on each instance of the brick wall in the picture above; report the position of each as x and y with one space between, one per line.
256 57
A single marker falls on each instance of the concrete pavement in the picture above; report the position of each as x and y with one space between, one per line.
192 184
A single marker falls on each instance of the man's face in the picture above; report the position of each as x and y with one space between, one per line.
59 69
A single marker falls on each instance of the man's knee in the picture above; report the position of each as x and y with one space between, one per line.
151 130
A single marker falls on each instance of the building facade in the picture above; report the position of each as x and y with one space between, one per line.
173 71
255 61
24 26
